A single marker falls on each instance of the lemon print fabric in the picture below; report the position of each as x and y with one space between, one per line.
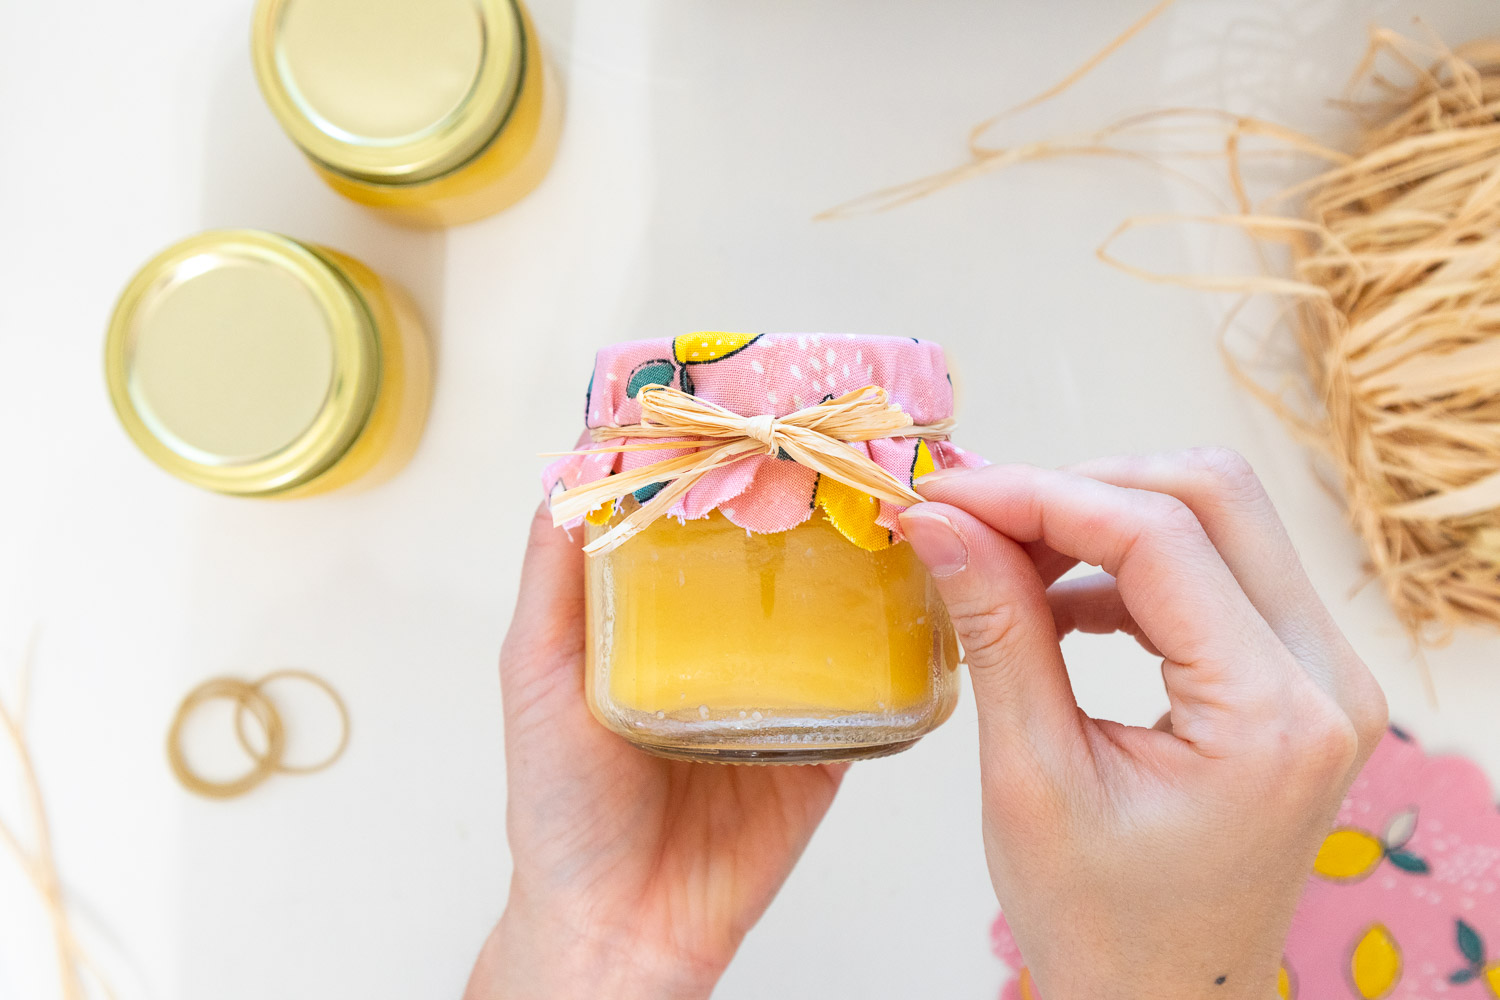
1375 965
704 347
767 374
921 462
852 512
700 348
657 371
1350 854
1286 987
1477 964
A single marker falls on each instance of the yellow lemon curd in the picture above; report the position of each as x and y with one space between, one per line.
709 642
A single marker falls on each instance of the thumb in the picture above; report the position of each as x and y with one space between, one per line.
543 649
998 604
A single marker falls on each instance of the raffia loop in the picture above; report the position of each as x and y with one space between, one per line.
817 437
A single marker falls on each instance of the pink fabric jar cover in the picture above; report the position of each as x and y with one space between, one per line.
774 374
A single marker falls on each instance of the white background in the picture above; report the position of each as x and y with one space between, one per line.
701 138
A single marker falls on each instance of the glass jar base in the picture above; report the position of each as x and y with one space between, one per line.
799 755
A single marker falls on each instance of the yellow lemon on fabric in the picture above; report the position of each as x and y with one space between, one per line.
1284 983
1491 977
922 463
853 513
1348 853
1375 965
699 348
601 514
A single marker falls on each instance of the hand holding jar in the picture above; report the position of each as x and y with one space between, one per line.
634 876
1130 862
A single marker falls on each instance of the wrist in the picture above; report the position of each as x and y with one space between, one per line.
537 952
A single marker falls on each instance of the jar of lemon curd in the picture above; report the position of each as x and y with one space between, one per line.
748 599
437 111
256 365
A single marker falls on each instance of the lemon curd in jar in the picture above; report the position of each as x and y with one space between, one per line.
439 112
709 642
253 364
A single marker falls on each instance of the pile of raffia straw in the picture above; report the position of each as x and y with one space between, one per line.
1395 295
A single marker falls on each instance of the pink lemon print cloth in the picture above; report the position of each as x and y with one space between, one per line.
1404 900
774 374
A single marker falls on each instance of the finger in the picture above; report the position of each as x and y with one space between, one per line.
1050 564
1093 604
1230 669
999 609
544 647
1221 489
1223 492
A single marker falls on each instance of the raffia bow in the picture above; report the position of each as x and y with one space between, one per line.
816 436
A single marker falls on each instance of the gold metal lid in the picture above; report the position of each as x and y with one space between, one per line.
389 91
242 362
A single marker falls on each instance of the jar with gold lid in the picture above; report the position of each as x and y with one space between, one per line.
254 364
439 112
749 597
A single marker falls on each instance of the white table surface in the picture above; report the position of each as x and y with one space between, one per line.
701 138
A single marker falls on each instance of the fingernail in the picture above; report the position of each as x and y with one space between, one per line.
937 476
936 542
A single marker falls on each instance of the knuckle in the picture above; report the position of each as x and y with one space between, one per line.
986 630
1324 743
1168 515
1368 710
1230 472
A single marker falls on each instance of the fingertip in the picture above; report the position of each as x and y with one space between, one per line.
543 532
935 539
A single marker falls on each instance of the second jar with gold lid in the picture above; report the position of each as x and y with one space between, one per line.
253 364
436 111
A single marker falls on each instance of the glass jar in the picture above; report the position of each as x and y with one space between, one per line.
774 615
438 111
253 364
708 642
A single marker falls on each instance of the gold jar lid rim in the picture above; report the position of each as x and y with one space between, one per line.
334 419
413 155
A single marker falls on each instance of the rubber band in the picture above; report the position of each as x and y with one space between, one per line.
244 695
338 703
